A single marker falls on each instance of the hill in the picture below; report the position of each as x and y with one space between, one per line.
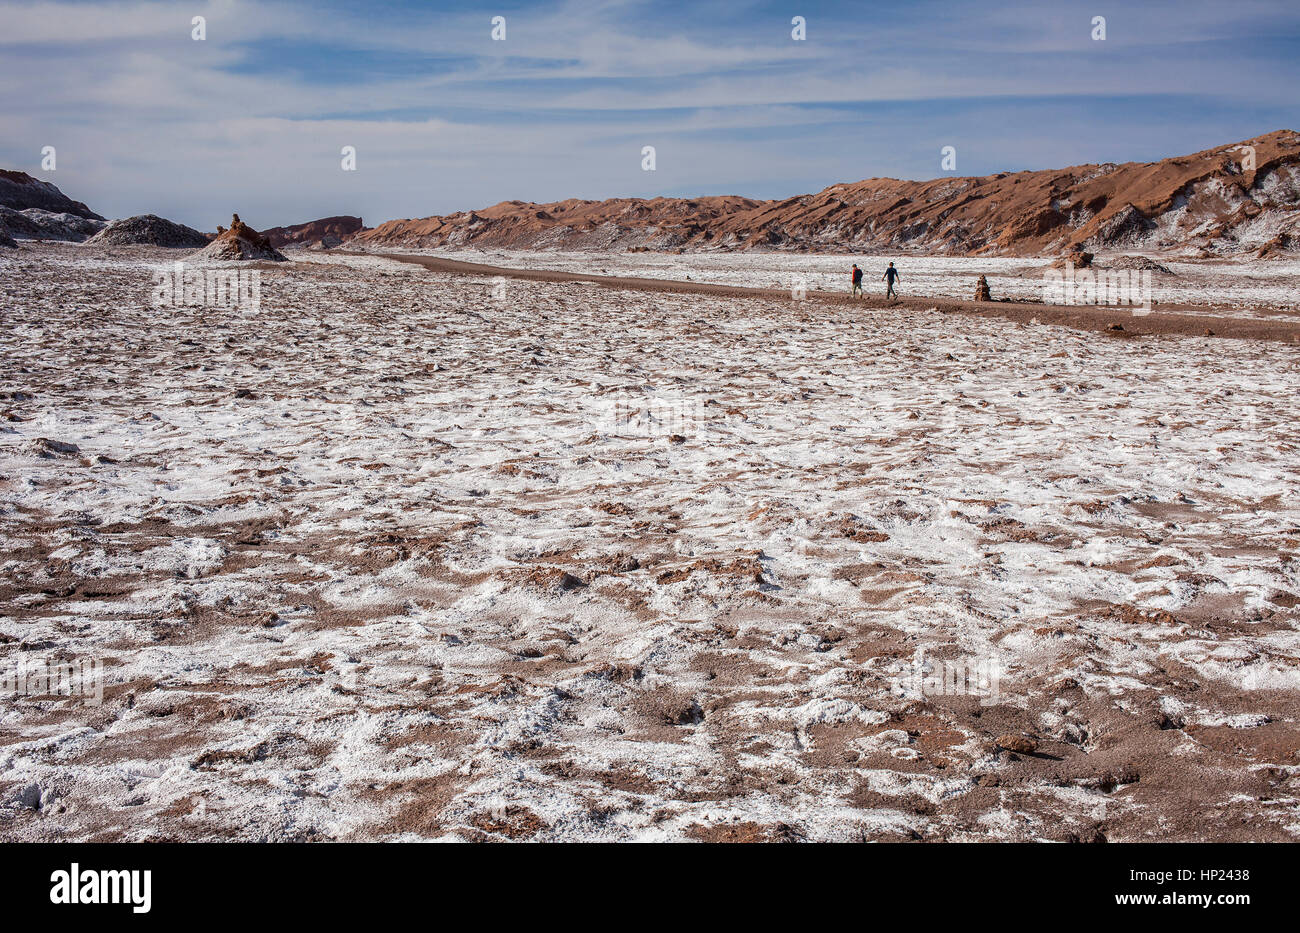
1217 201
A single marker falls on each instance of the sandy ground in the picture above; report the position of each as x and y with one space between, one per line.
392 558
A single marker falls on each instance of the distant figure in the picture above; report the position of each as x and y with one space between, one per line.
890 274
857 282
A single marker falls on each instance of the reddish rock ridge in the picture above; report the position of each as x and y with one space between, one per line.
328 231
1211 202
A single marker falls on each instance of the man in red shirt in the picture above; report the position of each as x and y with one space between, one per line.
857 282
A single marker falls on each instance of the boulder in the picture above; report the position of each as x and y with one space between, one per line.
1077 257
47 448
1021 744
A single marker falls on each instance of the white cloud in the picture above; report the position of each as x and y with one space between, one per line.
147 119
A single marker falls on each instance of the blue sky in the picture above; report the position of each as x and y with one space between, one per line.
443 118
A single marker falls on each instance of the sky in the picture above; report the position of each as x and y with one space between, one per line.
253 118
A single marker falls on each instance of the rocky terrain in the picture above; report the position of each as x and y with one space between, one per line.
1222 201
20 191
411 556
31 209
150 230
37 224
325 233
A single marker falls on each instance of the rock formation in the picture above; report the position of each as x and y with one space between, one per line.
20 191
1283 243
34 223
151 230
982 290
1141 263
239 242
31 209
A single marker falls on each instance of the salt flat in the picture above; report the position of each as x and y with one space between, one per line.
398 558
1246 289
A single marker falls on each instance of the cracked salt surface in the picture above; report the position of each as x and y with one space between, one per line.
446 572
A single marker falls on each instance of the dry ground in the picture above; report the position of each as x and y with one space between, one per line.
393 559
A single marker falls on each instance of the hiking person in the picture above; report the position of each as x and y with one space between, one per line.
857 282
890 274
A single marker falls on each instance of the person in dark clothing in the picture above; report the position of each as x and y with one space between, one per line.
890 274
857 282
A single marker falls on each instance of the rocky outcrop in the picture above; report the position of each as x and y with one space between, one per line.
1225 200
1288 241
34 223
1077 257
326 233
151 230
1140 263
20 191
1126 227
982 289
240 242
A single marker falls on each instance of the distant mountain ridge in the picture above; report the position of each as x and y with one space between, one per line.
1237 198
323 233
1230 199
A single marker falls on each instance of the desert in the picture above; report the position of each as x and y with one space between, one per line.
597 423
404 554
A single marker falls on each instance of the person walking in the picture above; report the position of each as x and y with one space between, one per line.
890 275
857 282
